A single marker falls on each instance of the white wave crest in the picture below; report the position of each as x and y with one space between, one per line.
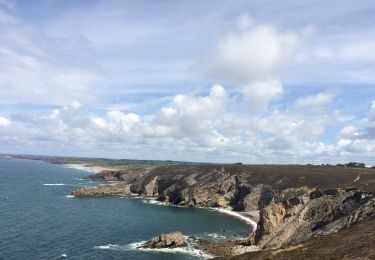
216 236
179 250
154 201
108 247
135 246
54 184
83 167
69 196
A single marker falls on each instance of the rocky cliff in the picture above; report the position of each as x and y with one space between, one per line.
290 220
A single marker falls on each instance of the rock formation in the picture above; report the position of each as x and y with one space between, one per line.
317 212
170 240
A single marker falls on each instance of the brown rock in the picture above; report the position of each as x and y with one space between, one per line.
170 240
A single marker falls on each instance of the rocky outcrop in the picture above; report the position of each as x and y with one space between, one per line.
257 198
226 248
126 173
170 240
119 189
106 175
317 212
356 242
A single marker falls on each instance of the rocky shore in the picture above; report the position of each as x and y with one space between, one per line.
294 203
171 240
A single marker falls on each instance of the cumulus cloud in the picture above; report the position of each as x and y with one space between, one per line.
255 52
348 132
251 120
359 139
370 122
4 121
188 115
314 104
256 96
316 100
194 127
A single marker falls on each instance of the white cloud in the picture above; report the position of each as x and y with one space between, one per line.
40 69
314 101
349 132
370 124
4 121
372 112
256 52
257 95
64 58
354 141
194 127
191 115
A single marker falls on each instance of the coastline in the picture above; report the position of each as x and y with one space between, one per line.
223 188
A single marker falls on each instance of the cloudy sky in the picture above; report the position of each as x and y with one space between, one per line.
220 81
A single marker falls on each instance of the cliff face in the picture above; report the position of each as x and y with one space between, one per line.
185 186
315 213
295 203
356 242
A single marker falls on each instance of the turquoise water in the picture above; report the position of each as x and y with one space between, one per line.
39 221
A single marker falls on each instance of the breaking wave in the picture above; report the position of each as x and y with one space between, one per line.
135 246
83 167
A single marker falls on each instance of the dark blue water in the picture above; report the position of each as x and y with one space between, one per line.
40 222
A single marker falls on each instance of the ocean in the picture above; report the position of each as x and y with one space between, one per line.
38 220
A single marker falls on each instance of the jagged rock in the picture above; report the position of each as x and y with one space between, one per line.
315 213
121 189
170 240
259 197
151 189
106 175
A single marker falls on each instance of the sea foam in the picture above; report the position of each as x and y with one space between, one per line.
155 202
83 167
54 184
108 247
135 246
216 236
179 250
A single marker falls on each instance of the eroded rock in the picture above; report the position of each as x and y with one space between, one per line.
315 213
170 240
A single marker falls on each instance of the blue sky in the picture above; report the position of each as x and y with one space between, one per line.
226 81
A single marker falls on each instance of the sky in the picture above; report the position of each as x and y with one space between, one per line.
209 81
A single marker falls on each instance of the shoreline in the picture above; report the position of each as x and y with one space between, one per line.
235 214
206 248
153 200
